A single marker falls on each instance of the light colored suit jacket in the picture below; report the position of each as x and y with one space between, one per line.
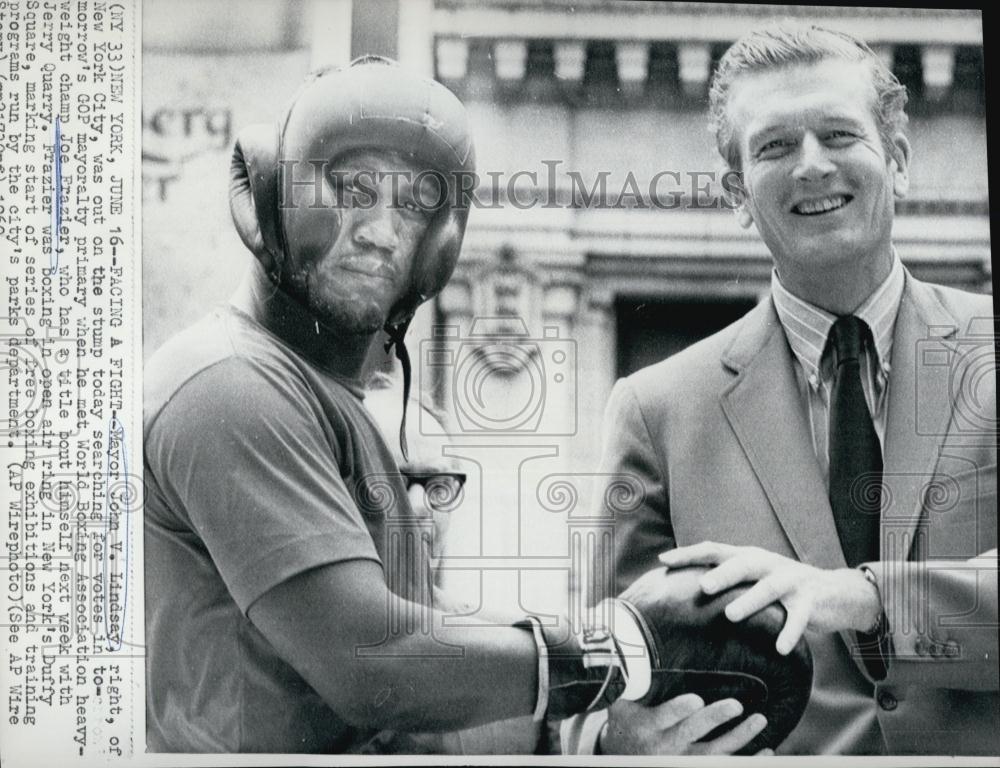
718 435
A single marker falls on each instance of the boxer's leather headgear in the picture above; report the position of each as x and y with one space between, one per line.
371 104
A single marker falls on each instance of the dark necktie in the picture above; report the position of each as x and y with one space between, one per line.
855 453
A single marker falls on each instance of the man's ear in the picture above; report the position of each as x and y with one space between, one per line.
734 197
899 165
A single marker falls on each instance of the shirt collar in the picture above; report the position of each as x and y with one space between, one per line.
807 326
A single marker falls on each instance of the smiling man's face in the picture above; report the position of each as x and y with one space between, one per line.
818 182
351 256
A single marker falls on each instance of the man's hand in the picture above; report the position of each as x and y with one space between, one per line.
674 727
814 598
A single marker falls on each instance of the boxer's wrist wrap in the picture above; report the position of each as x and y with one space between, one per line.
637 644
542 697
591 670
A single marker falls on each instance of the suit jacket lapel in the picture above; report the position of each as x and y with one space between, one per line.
767 413
919 411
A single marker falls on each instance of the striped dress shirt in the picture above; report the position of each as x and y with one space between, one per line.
807 327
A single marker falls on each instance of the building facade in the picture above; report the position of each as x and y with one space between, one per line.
599 240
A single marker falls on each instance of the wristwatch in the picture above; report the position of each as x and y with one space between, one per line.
879 627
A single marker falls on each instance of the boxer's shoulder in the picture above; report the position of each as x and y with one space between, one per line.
223 339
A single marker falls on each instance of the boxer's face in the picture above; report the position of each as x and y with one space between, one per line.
819 184
351 257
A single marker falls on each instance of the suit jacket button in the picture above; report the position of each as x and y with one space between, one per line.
887 701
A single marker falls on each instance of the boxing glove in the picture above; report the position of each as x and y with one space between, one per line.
664 637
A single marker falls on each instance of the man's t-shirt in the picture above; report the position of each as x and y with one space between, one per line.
258 467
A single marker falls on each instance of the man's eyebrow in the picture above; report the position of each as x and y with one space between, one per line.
767 131
842 120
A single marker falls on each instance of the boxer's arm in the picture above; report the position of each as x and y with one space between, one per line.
368 654
332 624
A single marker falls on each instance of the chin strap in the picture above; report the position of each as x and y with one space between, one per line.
396 333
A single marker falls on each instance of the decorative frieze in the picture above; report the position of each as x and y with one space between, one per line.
694 62
939 70
452 58
570 57
510 58
632 62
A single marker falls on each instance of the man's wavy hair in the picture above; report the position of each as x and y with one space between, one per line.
787 44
